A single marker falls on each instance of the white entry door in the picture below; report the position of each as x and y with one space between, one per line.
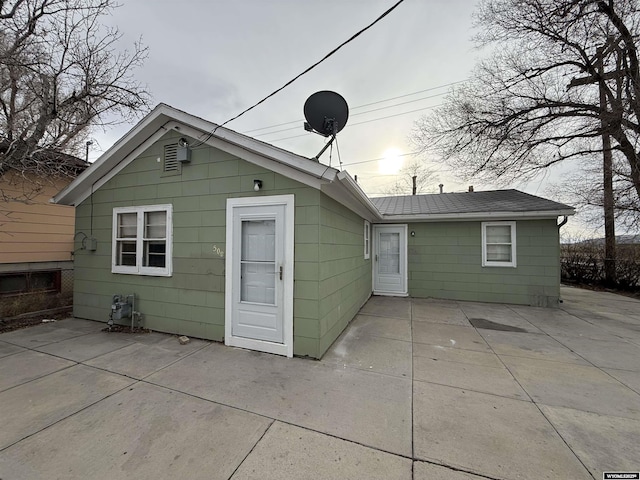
390 259
259 274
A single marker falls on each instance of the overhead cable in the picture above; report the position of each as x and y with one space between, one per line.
359 113
368 104
363 122
331 53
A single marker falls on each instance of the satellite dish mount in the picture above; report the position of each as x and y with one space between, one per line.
326 113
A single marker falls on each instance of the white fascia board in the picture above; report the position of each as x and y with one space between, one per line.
156 124
478 216
347 192
353 187
118 155
101 174
252 145
287 170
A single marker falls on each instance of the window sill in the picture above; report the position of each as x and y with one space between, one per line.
499 265
143 273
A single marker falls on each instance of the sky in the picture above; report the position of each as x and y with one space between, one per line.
215 58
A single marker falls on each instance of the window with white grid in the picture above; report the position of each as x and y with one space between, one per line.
142 241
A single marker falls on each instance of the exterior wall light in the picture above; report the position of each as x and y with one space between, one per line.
257 185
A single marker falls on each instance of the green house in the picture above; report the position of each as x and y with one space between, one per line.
220 236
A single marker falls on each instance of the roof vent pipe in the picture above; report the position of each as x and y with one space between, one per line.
471 188
441 187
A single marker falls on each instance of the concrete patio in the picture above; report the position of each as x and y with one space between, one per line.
414 388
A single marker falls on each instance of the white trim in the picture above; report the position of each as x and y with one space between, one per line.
489 216
367 240
358 194
337 185
405 248
490 263
139 269
163 118
289 226
109 174
290 171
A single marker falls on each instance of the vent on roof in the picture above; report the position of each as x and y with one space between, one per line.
171 158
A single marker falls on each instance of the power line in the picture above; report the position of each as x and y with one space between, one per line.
414 93
359 113
367 105
360 123
381 158
332 52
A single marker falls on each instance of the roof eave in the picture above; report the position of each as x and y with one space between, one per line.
486 216
119 151
165 117
358 196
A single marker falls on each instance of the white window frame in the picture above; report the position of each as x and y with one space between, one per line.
367 240
493 263
139 269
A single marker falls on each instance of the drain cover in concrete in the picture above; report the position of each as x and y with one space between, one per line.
489 325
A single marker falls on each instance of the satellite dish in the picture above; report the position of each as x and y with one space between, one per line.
326 113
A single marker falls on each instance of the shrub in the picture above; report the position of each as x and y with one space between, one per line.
583 263
33 302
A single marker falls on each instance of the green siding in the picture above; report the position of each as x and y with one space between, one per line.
191 301
331 278
445 261
344 274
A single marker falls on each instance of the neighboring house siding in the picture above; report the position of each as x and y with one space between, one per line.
191 301
34 231
445 261
345 276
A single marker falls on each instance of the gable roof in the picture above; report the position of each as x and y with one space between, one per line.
336 184
164 118
494 204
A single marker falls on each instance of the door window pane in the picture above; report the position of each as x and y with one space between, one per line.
259 240
389 261
257 261
258 282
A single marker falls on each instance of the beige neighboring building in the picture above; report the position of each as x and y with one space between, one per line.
36 236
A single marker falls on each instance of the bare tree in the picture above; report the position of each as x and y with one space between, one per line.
537 101
424 176
61 74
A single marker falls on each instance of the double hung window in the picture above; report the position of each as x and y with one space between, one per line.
499 244
142 242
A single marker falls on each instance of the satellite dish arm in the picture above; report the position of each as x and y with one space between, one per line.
317 157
